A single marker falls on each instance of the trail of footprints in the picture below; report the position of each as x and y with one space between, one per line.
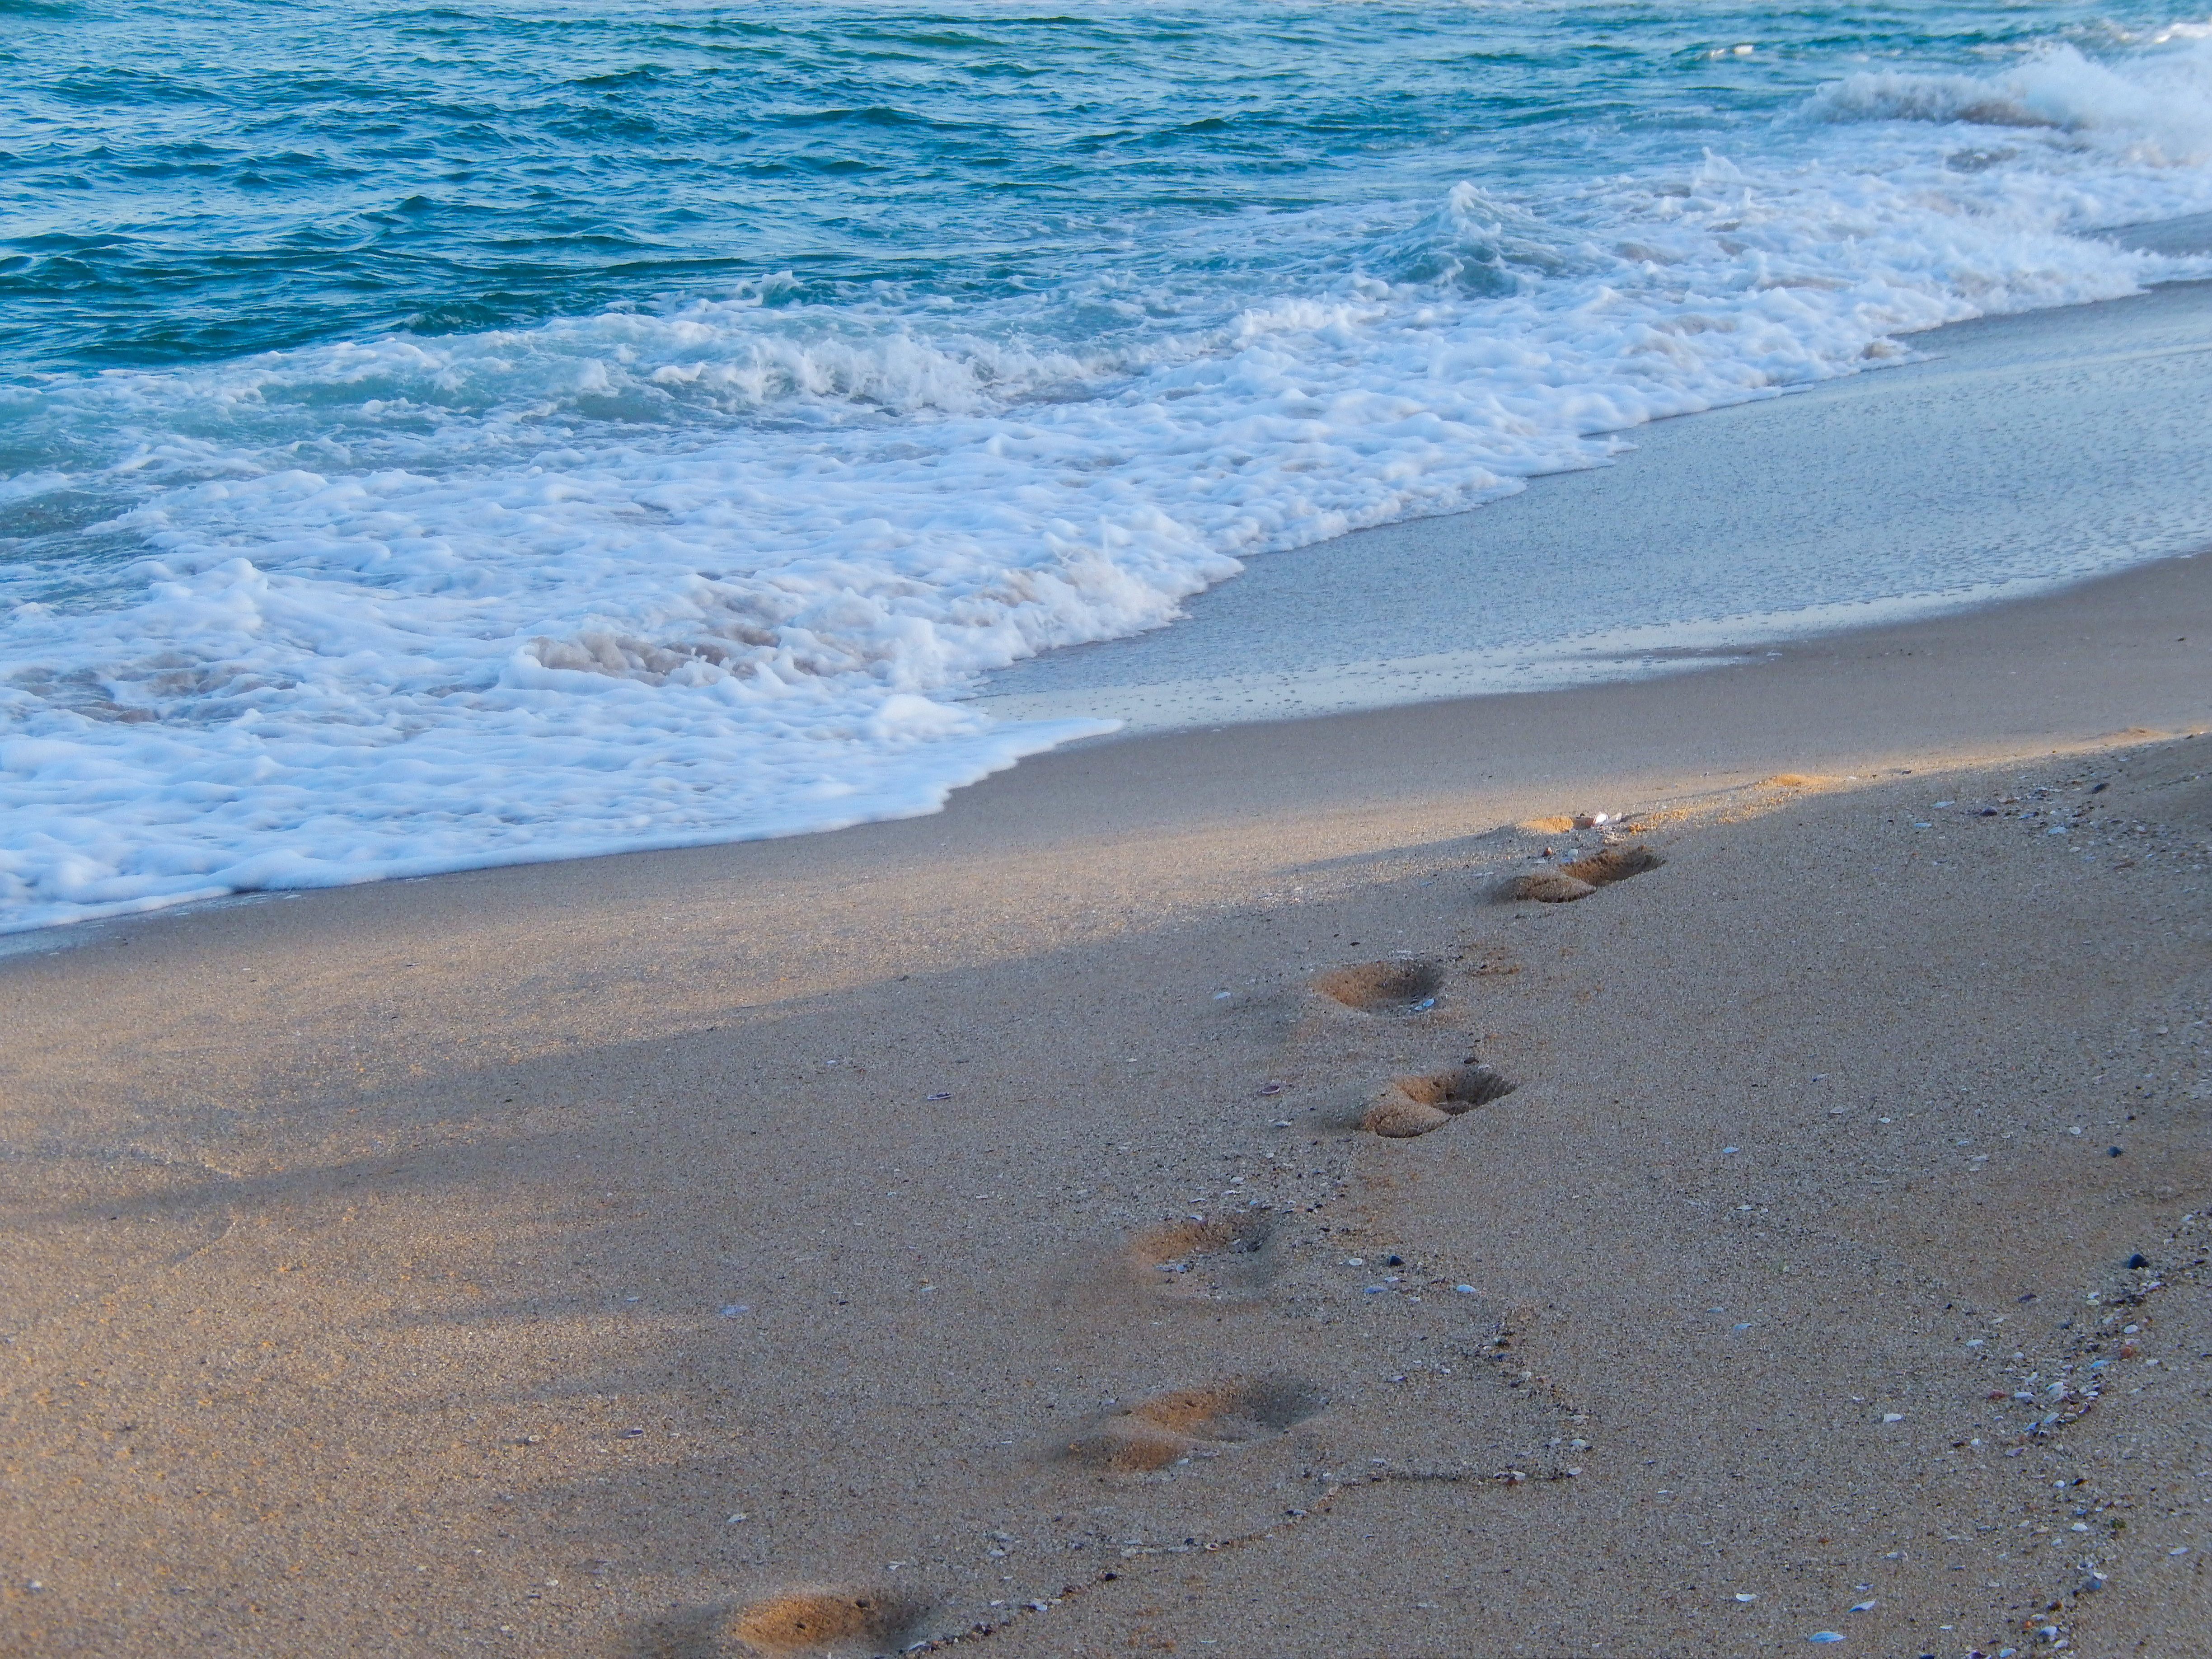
1225 1252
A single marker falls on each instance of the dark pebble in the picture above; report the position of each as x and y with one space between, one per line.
1394 1260
2112 1151
2139 1259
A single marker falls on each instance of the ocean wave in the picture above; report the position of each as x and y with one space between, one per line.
2158 108
710 569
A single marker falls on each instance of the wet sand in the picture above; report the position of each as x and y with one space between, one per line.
970 1216
2063 442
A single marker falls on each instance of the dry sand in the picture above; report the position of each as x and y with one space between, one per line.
866 1238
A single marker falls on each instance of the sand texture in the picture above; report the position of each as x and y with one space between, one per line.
967 1224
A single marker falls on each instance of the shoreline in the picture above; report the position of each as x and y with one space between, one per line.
1904 465
1211 784
1906 475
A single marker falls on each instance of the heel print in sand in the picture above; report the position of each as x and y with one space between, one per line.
818 1619
1570 882
1228 1255
1384 987
1171 1428
1414 1105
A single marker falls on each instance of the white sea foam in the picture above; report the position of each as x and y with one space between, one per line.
2158 111
648 578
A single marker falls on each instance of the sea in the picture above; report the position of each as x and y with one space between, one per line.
437 437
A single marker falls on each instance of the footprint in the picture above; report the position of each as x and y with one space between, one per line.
1414 1105
1569 882
1616 863
1377 988
1549 887
1189 1257
1171 1427
814 1619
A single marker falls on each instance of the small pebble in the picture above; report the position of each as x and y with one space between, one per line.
945 1094
1824 1636
2112 1151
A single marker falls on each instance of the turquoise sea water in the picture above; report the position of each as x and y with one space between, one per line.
194 182
447 436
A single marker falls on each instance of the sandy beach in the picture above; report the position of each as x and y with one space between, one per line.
968 1216
1308 832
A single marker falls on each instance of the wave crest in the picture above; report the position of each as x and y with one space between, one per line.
2160 107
